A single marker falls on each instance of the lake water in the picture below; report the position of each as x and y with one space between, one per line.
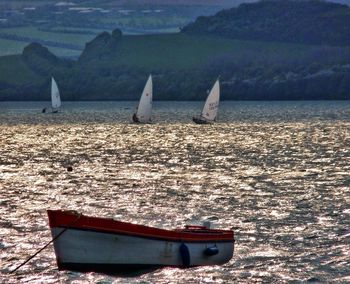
278 173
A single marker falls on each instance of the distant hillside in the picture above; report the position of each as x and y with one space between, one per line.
261 51
308 22
65 26
115 67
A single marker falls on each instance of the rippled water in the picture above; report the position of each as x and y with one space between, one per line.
278 173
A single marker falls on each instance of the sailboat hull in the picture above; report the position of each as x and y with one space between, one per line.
135 118
200 120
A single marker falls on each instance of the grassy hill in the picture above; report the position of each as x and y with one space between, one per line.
14 70
114 66
181 51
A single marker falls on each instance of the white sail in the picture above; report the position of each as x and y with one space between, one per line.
211 105
144 109
55 95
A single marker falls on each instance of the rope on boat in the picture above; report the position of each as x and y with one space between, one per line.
45 246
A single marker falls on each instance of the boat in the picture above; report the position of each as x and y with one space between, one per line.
211 106
144 108
84 243
55 97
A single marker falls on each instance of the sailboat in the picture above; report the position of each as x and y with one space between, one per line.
55 97
144 109
211 106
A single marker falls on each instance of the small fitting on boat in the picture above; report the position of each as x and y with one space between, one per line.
210 251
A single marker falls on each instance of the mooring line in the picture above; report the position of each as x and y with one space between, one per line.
45 246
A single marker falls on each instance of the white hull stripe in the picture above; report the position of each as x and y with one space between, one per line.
143 236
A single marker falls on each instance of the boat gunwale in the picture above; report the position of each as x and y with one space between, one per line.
63 219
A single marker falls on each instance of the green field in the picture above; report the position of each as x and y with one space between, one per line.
35 33
180 51
13 46
10 47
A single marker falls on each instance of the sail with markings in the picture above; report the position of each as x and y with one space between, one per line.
144 109
210 109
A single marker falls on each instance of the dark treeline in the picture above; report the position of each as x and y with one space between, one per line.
313 22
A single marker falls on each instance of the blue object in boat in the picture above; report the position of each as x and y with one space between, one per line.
185 255
211 251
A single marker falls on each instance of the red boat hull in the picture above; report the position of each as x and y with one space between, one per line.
96 244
